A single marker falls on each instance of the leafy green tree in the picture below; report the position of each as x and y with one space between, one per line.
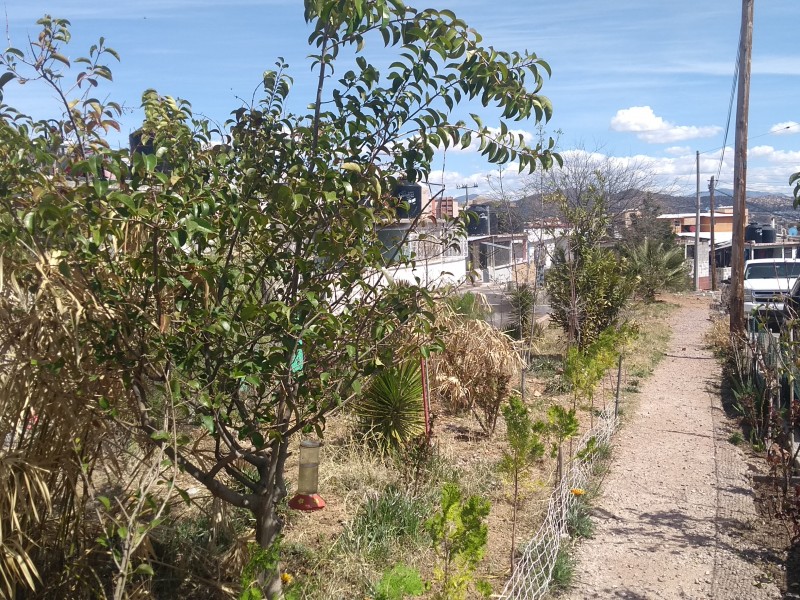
234 290
588 284
657 267
524 448
645 225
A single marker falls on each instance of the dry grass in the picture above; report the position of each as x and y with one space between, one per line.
718 337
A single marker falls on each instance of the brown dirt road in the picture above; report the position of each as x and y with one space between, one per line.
677 497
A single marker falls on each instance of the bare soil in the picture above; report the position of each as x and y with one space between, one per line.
678 516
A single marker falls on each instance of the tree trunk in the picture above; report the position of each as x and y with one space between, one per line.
268 528
268 523
514 519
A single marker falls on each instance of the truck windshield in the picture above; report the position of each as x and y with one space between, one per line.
772 271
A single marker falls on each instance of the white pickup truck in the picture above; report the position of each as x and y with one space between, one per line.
767 282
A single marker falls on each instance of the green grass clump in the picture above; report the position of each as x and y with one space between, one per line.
579 520
736 438
563 570
385 522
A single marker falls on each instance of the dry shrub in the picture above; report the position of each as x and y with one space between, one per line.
718 337
475 369
23 490
49 426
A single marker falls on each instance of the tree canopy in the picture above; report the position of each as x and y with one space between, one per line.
225 292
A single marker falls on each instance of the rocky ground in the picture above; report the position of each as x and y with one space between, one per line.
676 515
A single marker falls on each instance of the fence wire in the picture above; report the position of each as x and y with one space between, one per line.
534 569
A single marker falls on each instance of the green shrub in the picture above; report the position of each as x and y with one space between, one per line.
398 583
736 438
390 410
522 301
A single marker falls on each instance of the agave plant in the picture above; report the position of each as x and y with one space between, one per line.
390 410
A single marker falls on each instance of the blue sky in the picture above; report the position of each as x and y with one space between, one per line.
646 81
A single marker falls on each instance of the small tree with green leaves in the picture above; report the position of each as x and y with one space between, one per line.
460 534
523 301
588 284
585 367
204 269
525 447
563 425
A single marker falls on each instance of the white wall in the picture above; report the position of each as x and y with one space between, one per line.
433 272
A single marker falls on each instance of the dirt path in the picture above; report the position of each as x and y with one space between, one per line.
677 492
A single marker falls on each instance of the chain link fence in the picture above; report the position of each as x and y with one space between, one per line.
534 569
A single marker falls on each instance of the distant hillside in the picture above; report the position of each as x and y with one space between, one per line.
762 207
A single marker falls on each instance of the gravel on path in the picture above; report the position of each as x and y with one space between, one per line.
676 492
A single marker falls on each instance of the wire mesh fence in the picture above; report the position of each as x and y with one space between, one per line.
534 569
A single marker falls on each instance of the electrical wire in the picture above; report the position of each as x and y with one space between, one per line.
730 103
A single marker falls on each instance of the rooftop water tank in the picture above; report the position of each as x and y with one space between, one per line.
768 235
753 233
410 195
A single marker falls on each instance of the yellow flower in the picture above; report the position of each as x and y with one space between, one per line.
577 491
287 578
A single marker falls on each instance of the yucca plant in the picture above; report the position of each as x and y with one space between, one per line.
390 410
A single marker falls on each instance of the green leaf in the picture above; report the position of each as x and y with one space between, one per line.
60 58
208 422
150 162
5 78
27 221
160 436
144 569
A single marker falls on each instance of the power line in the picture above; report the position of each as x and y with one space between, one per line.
755 137
730 103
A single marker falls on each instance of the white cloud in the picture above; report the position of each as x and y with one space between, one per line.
678 150
768 170
785 128
653 129
761 151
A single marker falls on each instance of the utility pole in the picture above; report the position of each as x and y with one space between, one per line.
697 230
713 247
740 170
466 187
